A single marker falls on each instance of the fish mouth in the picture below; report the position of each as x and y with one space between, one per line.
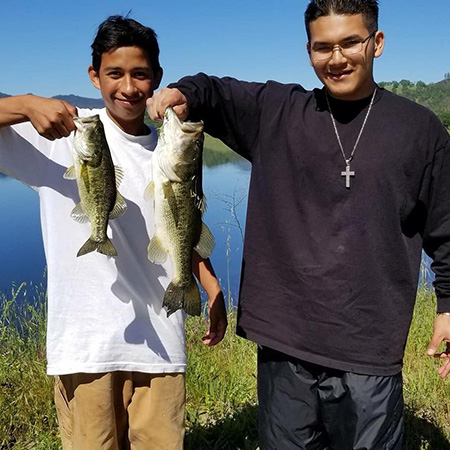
83 123
186 127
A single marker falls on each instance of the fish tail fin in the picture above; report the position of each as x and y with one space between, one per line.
105 247
185 296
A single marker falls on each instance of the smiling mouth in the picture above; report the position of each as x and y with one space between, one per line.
128 100
339 75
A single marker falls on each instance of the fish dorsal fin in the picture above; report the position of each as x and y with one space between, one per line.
156 252
149 193
78 214
206 242
119 175
119 208
70 173
169 195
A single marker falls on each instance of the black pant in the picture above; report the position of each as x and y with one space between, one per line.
306 406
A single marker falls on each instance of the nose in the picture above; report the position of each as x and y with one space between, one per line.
127 86
337 56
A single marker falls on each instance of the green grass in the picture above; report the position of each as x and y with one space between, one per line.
221 383
27 413
221 390
427 396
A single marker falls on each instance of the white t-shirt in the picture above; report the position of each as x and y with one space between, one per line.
104 313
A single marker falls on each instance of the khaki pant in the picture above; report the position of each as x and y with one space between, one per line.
121 410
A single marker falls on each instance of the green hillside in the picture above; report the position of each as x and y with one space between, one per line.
435 96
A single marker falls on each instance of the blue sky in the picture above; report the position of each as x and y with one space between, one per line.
46 50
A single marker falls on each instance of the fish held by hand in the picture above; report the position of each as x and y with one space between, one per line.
97 181
176 189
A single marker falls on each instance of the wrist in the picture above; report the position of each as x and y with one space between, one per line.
14 110
214 296
24 106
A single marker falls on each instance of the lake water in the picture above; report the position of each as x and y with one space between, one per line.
21 250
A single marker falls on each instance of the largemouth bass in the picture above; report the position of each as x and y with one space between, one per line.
176 189
97 181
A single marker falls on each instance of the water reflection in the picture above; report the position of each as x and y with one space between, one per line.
225 179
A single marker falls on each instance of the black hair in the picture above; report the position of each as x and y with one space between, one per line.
119 31
320 8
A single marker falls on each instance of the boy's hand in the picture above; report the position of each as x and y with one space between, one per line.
52 118
217 321
441 333
157 105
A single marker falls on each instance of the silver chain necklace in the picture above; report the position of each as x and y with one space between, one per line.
348 173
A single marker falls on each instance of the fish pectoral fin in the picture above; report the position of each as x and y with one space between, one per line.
70 173
149 193
156 252
118 171
169 195
119 207
206 242
200 203
78 214
84 175
197 192
185 296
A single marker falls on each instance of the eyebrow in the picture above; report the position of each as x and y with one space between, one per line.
121 68
348 38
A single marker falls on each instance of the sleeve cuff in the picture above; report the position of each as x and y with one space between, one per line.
443 304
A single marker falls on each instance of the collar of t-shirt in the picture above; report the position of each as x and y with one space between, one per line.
147 141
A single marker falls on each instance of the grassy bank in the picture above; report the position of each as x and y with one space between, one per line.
221 383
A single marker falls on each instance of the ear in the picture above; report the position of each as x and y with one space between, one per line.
308 49
93 75
379 44
158 78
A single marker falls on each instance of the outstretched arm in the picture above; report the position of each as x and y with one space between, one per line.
232 110
51 118
217 313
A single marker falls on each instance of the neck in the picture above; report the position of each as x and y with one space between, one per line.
135 127
345 111
360 95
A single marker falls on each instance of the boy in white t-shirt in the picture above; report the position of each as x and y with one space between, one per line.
119 361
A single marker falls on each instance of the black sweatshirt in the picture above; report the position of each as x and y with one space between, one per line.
329 274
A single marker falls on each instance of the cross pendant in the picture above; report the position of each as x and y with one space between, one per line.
347 174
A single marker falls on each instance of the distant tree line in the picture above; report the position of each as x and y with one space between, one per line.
435 96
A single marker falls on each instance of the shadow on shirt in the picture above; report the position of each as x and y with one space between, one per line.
132 263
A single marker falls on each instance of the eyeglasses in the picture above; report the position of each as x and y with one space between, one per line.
323 52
